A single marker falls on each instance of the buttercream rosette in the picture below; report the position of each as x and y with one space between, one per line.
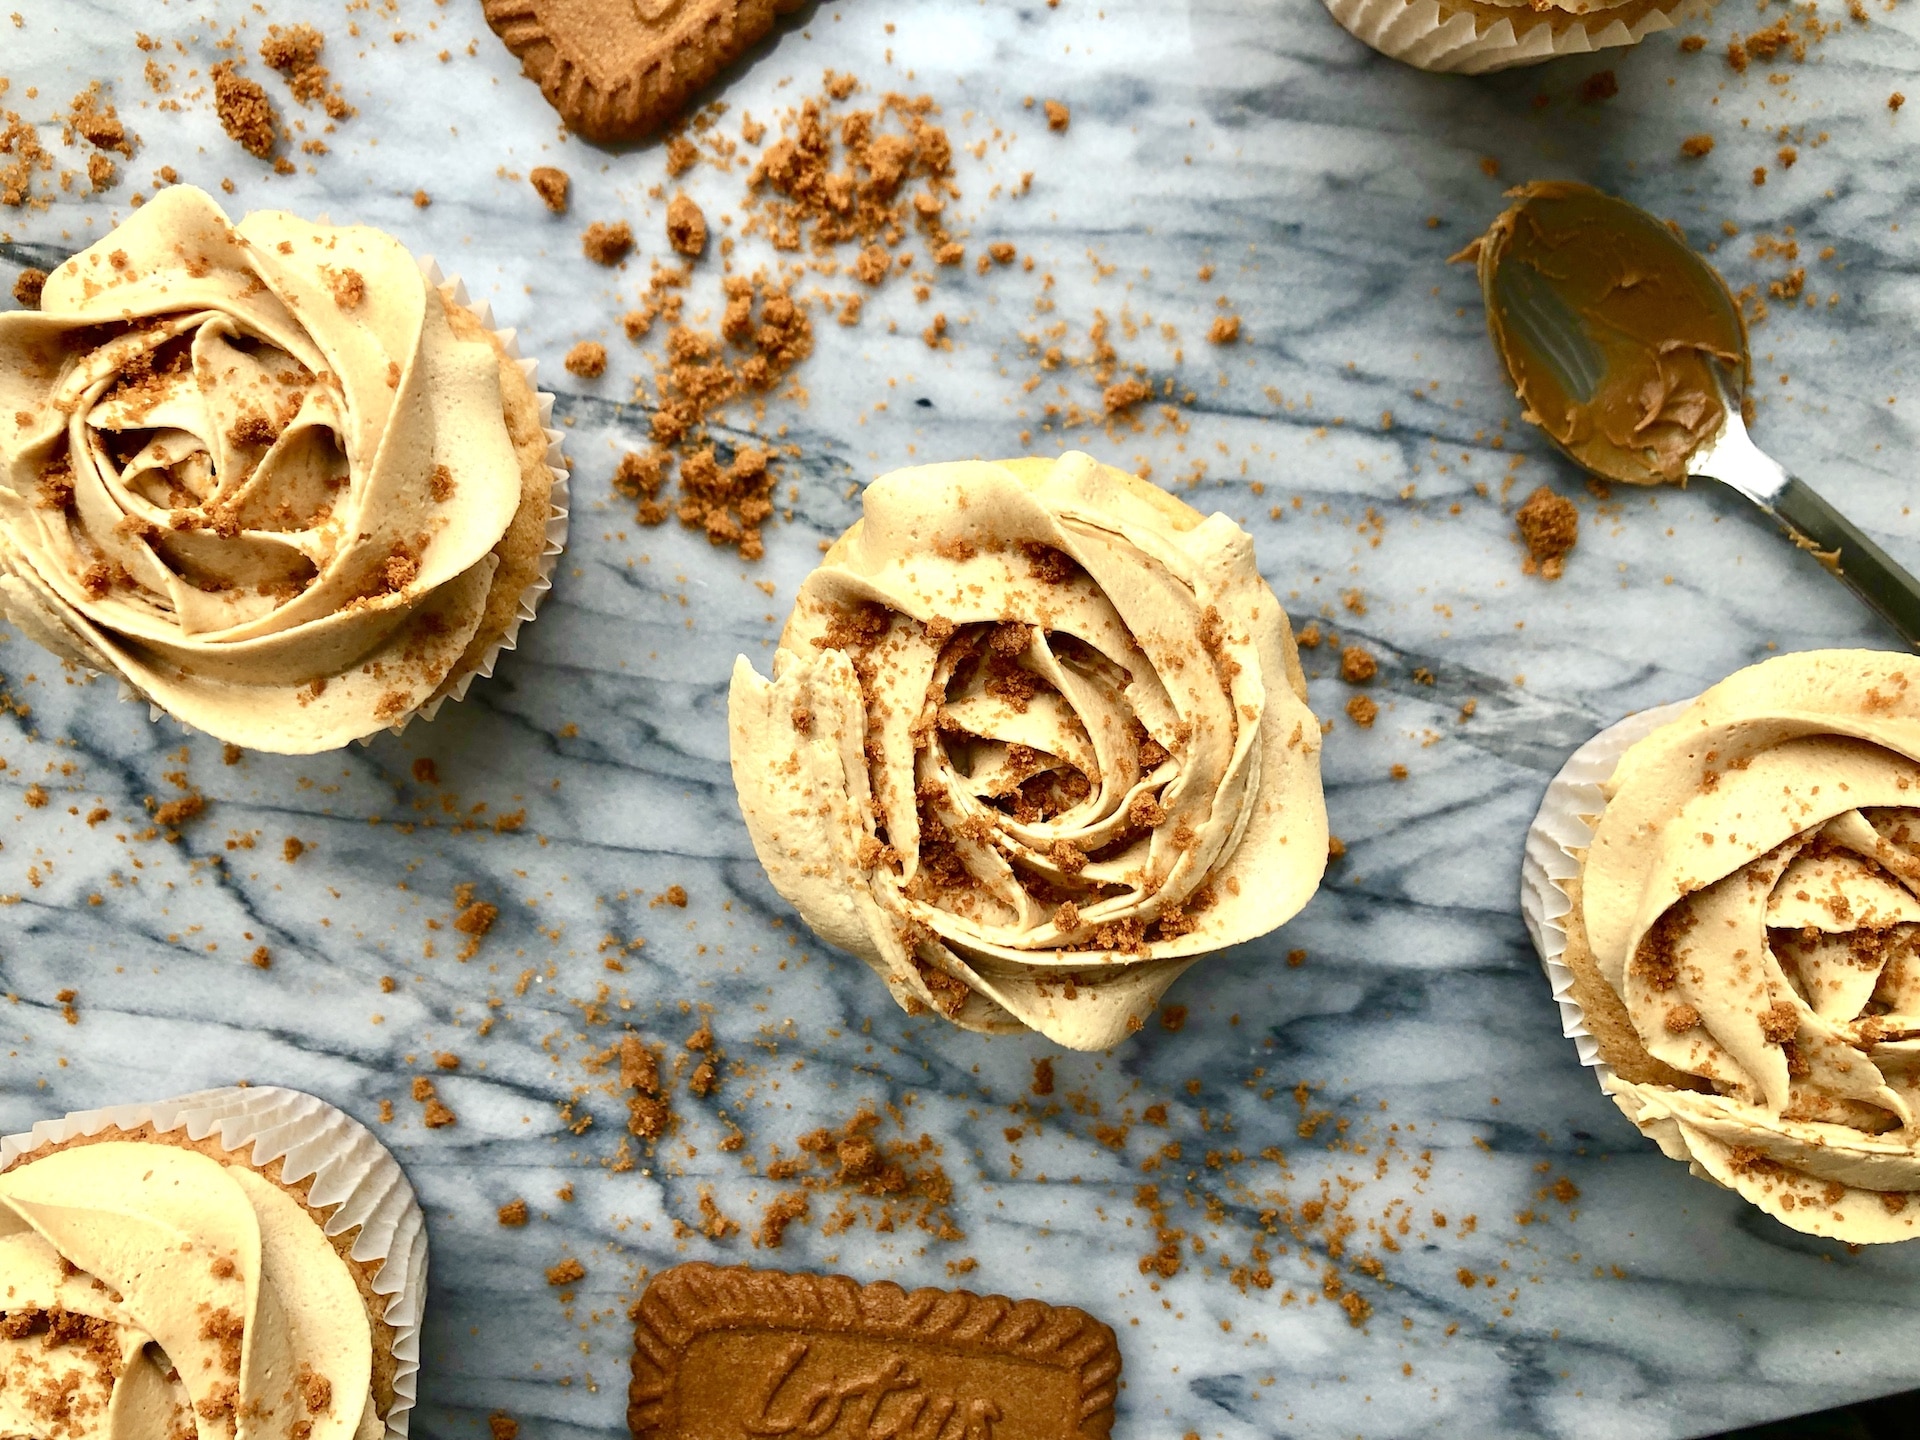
268 473
244 1264
1471 37
1741 939
1036 741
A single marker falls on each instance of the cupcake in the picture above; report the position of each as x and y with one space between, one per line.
1036 740
241 1262
1740 933
1474 36
285 487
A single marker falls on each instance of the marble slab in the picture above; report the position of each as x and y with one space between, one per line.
1326 187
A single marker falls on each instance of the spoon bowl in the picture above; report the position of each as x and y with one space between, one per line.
1630 353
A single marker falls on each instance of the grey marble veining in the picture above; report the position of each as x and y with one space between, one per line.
1326 187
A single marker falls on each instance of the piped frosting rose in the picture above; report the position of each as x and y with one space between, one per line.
254 470
149 1292
1036 740
1750 898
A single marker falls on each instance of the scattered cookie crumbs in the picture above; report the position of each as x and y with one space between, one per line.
780 1213
1362 710
567 1272
177 812
500 1425
1694 147
1896 100
1599 86
1173 1018
1467 708
1225 330
27 286
295 53
588 360
1058 116
1397 772
606 244
261 959
434 1114
1309 636
552 186
686 227
1549 525
36 797
69 1003
245 112
1357 665
292 848
513 1214
1043 1076
474 918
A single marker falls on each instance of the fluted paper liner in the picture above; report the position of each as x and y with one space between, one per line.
351 1172
1563 827
1432 36
455 292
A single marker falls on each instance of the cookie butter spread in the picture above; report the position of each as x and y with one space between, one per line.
1627 386
251 469
149 1292
1036 740
1750 897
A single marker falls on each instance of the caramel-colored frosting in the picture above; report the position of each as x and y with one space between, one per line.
250 469
1750 895
1656 317
149 1292
1036 740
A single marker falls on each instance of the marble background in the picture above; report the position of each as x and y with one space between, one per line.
1327 186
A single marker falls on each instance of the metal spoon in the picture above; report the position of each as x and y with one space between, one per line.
1631 354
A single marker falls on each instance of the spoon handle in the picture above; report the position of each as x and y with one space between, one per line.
1872 574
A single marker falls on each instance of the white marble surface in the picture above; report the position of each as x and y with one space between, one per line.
1252 136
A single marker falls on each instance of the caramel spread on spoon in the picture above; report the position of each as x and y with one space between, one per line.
1612 329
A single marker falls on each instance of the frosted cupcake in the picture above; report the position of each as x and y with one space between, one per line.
237 1263
1742 938
1474 36
268 474
1036 741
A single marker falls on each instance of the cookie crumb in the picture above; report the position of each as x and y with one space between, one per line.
1225 331
552 186
1550 526
245 112
27 287
607 244
1357 666
513 1215
502 1426
1695 147
1362 710
1058 116
686 226
588 360
567 1272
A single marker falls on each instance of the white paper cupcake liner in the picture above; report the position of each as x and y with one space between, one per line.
557 519
1563 826
350 1170
1429 36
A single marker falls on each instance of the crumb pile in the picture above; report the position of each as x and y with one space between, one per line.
29 174
837 180
1549 526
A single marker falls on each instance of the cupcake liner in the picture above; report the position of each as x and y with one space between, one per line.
350 1170
1564 825
557 519
557 525
1430 36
